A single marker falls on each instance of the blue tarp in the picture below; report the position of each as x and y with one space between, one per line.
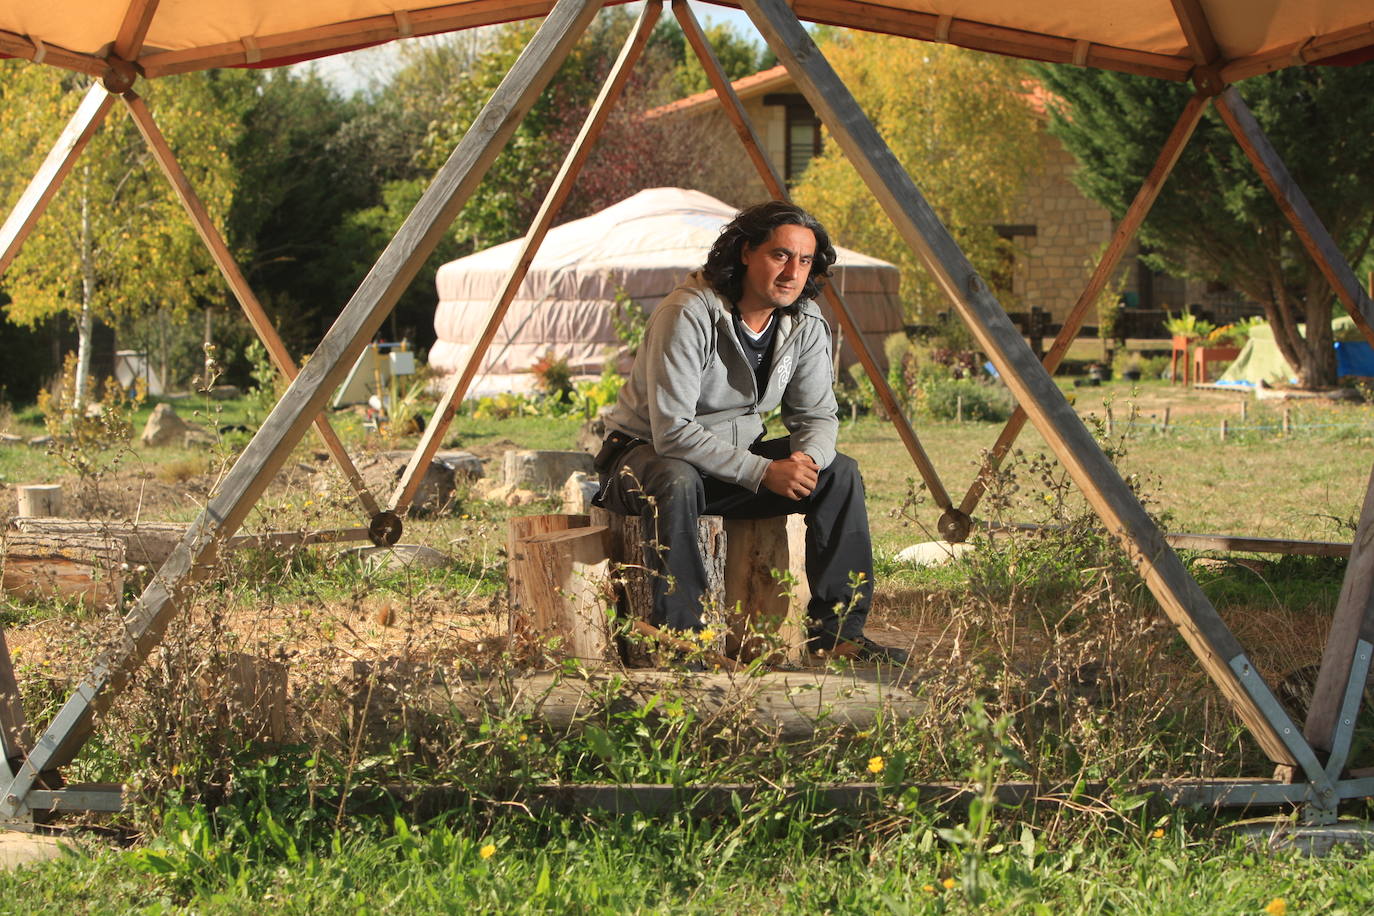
1355 357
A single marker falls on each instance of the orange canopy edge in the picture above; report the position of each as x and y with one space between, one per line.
1142 36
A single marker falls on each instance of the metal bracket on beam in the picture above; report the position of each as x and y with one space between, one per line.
385 528
1321 808
1344 732
955 525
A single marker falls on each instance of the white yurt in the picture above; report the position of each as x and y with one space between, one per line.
644 245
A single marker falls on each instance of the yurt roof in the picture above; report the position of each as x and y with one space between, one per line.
655 228
1140 35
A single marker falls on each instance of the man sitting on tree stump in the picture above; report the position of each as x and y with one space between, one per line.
686 438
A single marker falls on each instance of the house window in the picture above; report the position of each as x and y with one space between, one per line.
802 131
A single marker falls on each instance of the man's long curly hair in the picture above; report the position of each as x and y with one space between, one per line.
752 227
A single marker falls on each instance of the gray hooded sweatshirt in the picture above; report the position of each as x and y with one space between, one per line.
693 395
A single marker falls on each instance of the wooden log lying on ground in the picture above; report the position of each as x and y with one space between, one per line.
145 543
89 568
148 544
786 705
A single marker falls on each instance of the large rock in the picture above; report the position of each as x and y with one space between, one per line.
578 491
544 471
164 427
465 463
932 553
382 472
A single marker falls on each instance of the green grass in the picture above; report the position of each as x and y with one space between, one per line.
278 845
762 859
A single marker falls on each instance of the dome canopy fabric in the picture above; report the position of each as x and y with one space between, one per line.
1140 35
642 247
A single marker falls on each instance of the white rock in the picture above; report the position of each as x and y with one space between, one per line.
932 553
578 492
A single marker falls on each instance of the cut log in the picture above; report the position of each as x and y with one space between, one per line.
543 471
520 570
766 591
252 698
149 544
39 499
88 568
562 590
634 581
145 544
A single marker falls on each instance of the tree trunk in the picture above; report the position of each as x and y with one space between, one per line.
86 323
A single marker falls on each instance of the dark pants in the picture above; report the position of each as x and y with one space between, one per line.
669 495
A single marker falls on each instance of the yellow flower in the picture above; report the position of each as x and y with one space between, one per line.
1277 907
949 884
523 738
487 851
876 764
707 635
1158 834
928 888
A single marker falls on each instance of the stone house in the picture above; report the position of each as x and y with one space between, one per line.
1057 233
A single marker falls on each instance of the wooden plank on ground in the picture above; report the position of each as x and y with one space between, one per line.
783 705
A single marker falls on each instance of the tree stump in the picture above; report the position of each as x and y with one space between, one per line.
566 585
766 592
544 471
39 499
251 698
635 582
520 569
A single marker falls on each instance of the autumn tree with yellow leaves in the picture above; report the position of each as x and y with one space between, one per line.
115 243
961 124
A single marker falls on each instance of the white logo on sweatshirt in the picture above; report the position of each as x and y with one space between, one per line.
784 370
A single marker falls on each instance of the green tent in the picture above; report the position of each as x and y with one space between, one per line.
1260 358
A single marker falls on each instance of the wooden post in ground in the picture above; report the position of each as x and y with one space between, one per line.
305 398
954 525
1203 629
414 473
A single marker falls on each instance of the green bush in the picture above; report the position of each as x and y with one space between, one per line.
937 395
